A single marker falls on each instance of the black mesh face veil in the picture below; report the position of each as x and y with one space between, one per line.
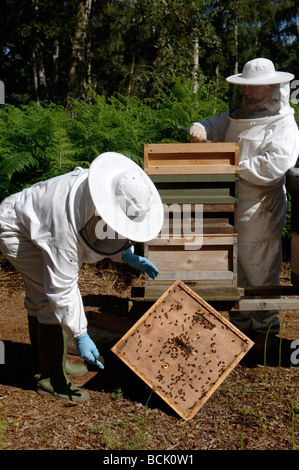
97 236
254 101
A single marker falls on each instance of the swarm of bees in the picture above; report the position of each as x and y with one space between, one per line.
183 348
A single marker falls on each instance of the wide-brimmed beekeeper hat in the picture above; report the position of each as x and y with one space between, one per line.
125 197
260 71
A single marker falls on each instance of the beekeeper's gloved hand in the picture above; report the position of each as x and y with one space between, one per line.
138 262
88 350
197 133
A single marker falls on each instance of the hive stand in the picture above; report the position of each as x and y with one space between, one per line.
183 349
198 185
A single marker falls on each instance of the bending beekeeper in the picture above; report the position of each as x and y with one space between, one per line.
50 229
264 125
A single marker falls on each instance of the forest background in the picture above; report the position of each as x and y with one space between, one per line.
86 76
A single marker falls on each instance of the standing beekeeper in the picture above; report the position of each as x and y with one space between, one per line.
50 229
263 123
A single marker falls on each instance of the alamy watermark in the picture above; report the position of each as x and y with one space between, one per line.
181 222
295 92
295 353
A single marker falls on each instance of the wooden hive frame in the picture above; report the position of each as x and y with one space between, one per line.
205 176
183 349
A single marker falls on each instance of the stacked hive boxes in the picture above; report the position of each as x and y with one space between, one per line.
198 184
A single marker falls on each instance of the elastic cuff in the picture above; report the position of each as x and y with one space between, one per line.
198 124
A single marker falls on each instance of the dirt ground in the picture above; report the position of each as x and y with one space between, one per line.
255 407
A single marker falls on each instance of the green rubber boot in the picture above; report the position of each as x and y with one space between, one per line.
75 370
52 354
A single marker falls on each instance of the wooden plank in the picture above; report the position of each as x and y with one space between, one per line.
181 178
195 209
211 262
266 304
183 349
268 291
192 282
210 218
221 292
189 148
218 291
214 292
204 188
167 241
195 275
210 226
211 153
219 207
173 169
192 196
172 260
191 158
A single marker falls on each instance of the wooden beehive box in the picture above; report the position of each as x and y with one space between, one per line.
200 158
183 349
198 183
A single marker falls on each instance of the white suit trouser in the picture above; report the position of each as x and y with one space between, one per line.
258 265
28 260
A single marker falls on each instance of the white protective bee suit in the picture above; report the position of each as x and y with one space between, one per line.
48 231
269 145
40 233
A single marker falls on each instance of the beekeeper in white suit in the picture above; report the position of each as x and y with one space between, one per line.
50 229
265 127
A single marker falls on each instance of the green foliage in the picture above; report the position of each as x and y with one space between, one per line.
39 141
49 52
34 145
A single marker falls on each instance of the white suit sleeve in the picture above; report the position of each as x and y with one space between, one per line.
277 153
61 275
216 127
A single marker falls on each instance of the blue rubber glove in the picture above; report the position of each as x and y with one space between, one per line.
138 262
88 350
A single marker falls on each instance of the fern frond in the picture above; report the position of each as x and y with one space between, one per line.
17 162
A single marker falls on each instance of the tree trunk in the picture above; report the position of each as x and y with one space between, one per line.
236 39
55 57
195 65
131 76
80 71
39 74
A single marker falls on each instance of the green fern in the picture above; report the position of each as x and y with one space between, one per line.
38 141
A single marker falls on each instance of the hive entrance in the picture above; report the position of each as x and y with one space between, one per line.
183 348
